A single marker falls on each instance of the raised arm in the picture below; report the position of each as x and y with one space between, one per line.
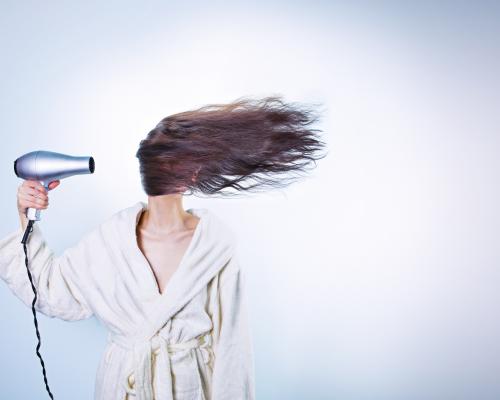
55 278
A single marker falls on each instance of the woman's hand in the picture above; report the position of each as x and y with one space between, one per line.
32 194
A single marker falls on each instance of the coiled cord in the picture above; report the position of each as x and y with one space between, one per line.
29 229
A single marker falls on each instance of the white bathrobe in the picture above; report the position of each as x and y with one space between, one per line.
191 342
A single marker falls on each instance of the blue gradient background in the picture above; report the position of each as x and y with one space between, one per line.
377 277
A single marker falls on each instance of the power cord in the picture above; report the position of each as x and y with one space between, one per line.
29 229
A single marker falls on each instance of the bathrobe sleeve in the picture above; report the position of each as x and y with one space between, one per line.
233 369
55 278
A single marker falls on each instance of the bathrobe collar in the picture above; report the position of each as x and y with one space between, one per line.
209 251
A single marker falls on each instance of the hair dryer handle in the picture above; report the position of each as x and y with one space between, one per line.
34 213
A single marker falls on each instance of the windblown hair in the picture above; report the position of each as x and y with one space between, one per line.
221 146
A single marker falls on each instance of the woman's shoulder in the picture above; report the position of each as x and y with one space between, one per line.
124 215
113 224
220 226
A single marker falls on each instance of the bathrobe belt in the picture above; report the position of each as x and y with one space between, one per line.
139 381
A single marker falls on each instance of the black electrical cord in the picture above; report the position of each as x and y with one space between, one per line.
29 229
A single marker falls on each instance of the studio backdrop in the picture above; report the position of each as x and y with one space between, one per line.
374 277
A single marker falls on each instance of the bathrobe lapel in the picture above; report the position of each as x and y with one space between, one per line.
209 251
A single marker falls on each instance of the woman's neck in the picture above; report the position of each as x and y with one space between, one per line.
163 215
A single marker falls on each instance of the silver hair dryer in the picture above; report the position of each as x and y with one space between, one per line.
47 166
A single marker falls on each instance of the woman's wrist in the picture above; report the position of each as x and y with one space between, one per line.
23 219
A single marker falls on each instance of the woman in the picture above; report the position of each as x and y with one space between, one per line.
166 282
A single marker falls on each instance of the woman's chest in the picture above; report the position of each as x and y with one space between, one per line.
163 257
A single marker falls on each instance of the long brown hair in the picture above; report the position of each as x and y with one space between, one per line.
225 145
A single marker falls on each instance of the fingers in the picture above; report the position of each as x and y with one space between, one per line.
38 186
25 203
32 194
34 185
44 200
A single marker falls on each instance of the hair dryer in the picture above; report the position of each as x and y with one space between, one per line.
47 166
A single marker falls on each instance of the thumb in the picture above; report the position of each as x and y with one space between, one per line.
54 184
